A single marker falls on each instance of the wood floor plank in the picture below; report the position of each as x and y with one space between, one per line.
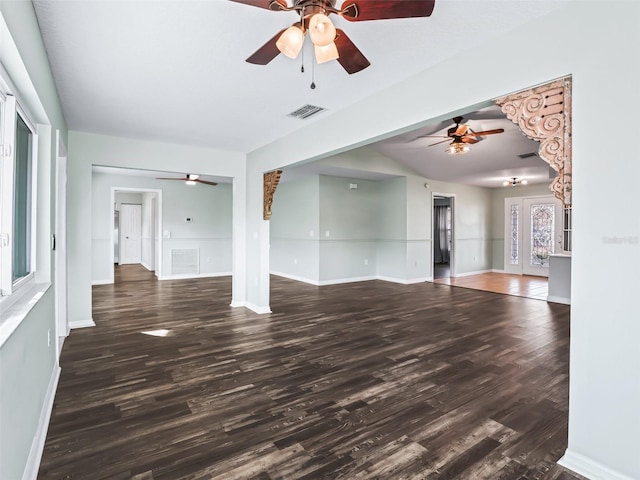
369 380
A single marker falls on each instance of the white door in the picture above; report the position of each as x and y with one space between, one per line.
533 232
130 234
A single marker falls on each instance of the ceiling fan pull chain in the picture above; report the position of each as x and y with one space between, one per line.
313 75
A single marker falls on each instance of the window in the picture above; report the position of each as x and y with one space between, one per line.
17 194
566 229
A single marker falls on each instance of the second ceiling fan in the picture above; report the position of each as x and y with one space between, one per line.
330 43
462 136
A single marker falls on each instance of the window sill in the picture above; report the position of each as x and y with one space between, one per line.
15 308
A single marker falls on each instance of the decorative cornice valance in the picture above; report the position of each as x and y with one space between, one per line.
271 180
544 114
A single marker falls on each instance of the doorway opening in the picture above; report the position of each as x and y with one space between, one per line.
442 216
136 226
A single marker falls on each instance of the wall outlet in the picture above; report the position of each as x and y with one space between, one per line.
188 219
366 261
311 233
295 261
475 258
327 233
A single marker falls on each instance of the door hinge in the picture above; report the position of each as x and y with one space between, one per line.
4 240
6 150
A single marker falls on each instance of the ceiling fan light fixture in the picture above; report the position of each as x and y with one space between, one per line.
457 148
190 182
514 181
290 42
326 53
321 30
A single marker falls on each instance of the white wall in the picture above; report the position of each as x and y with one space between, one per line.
604 381
210 230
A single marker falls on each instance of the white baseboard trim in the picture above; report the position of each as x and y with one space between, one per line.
258 309
589 468
339 281
37 446
554 299
188 276
402 281
495 270
82 324
296 278
148 267
235 304
468 274
101 282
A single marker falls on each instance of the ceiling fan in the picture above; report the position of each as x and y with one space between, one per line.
190 179
462 136
330 43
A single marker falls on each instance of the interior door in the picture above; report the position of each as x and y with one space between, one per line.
541 235
130 234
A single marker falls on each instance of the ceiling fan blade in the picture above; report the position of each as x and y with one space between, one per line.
461 130
268 4
468 139
351 59
205 181
361 10
438 143
171 178
429 136
486 132
266 52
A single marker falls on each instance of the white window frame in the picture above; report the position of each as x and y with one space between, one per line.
10 112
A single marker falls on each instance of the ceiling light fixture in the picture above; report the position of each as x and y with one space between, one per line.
322 33
191 179
290 42
457 147
514 181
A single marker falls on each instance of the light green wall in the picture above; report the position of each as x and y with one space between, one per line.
87 149
471 226
28 363
295 224
209 207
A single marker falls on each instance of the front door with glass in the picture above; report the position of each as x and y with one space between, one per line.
533 232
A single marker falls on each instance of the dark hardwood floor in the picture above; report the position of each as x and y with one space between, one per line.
369 380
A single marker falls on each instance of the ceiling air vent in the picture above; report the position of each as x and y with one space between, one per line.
528 155
305 112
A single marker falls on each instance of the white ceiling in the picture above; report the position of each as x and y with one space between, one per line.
174 71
